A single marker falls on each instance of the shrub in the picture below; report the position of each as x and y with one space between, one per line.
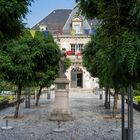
1 98
136 92
137 98
10 98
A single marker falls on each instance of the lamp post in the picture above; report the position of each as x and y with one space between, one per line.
127 132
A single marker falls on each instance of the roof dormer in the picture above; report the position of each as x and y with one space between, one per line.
77 24
42 27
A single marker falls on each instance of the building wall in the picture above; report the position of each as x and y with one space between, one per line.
64 41
71 31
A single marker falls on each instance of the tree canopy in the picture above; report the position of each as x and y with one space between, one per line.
11 14
113 54
27 58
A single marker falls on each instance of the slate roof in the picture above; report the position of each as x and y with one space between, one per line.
59 21
55 20
67 26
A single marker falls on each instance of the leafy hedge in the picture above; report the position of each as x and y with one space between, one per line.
1 98
137 99
8 101
136 92
5 100
9 98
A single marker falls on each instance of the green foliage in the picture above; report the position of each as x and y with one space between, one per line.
136 92
46 62
6 85
114 14
11 14
29 58
10 98
137 98
67 63
137 89
113 54
1 98
87 7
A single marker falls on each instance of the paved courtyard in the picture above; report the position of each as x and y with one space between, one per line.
89 123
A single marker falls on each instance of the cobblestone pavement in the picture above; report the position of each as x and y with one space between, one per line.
89 123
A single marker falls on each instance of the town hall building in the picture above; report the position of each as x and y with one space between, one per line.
71 31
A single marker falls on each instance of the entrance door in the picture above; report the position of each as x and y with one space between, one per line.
79 80
73 80
76 77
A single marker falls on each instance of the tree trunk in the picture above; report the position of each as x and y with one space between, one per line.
115 104
38 96
106 104
106 94
18 101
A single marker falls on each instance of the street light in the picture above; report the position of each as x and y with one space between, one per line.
127 132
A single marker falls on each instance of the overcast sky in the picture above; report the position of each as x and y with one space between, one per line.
41 8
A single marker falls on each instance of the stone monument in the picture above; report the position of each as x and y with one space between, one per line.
61 110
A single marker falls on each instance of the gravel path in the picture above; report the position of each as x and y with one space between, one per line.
89 122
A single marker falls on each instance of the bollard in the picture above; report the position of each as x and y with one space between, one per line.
58 129
126 134
116 123
59 124
100 94
48 94
6 123
101 97
6 127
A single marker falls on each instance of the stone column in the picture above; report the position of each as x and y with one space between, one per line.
61 110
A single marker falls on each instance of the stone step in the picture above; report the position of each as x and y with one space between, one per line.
80 90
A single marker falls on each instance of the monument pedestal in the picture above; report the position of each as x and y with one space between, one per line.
61 110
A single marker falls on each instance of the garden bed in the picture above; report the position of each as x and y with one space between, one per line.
13 103
5 103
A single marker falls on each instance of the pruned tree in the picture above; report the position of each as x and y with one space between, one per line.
114 52
47 66
22 59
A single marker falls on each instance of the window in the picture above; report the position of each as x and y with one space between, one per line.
80 47
77 25
42 27
77 28
76 47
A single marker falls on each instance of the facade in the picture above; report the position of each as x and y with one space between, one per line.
71 31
